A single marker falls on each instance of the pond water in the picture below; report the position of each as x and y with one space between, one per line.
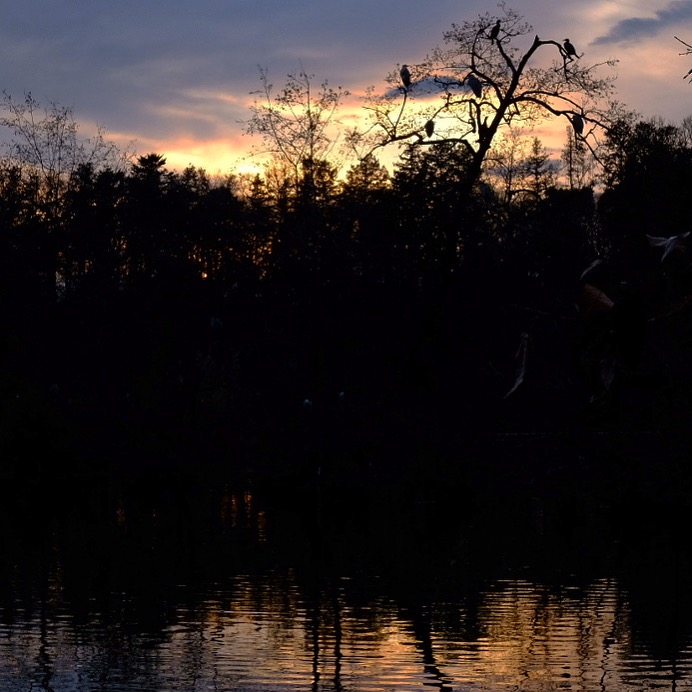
185 586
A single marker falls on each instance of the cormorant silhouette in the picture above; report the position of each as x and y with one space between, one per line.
405 75
570 50
578 124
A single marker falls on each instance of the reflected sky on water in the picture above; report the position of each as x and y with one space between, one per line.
179 588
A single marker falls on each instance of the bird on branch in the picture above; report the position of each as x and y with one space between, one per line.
405 75
578 124
475 85
570 50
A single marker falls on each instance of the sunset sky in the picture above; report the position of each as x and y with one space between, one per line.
176 77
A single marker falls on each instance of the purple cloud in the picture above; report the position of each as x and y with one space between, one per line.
638 28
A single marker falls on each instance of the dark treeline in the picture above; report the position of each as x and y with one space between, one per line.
155 317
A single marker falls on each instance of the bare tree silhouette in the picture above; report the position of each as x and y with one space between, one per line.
475 88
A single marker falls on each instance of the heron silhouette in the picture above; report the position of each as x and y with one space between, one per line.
475 85
613 338
674 243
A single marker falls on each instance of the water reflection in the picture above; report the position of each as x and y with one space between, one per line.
179 587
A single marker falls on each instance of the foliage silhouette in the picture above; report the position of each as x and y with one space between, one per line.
164 317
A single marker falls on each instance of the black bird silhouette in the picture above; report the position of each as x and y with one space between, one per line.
570 50
475 85
405 75
495 31
429 128
578 124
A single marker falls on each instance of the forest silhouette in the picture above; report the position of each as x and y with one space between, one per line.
475 363
162 313
313 318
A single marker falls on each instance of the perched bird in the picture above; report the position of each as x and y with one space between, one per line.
495 31
675 243
405 75
595 357
429 128
475 84
570 50
578 124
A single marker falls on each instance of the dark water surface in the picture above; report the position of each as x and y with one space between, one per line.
160 584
